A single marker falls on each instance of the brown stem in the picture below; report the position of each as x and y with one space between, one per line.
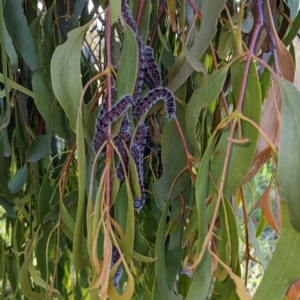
140 12
186 149
161 9
258 24
92 53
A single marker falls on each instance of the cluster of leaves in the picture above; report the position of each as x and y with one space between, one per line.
76 229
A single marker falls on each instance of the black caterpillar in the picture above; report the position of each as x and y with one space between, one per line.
149 75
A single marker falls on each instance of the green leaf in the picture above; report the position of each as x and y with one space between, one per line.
173 180
289 156
160 266
127 72
8 207
145 11
284 266
225 42
78 8
18 87
38 148
79 261
11 52
241 155
293 31
210 11
3 176
193 61
228 252
48 44
66 79
115 10
18 181
203 97
121 206
200 285
17 25
49 108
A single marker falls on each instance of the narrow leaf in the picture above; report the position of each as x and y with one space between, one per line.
284 266
17 25
66 79
210 13
202 97
289 156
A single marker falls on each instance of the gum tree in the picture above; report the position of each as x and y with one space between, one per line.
130 134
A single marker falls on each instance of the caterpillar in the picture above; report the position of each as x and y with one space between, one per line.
154 96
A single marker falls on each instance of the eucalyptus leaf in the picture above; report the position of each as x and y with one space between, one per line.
289 157
38 148
17 25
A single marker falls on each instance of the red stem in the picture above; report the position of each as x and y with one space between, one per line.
161 9
140 12
186 150
195 7
257 26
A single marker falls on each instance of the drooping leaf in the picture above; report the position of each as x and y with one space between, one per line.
8 207
284 266
50 109
172 151
115 10
201 282
289 157
202 97
241 155
17 25
161 257
225 42
128 64
3 174
66 79
172 14
38 148
210 13
11 52
18 181
142 11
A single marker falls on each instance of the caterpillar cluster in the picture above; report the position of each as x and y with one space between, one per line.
148 74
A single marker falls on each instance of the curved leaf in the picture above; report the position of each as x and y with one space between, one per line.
241 155
17 25
210 11
284 266
66 79
202 97
289 156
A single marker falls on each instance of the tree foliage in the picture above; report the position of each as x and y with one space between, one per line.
130 133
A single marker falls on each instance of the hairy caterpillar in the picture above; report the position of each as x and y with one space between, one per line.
110 116
114 258
154 96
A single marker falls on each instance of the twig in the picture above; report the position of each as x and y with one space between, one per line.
161 9
257 26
